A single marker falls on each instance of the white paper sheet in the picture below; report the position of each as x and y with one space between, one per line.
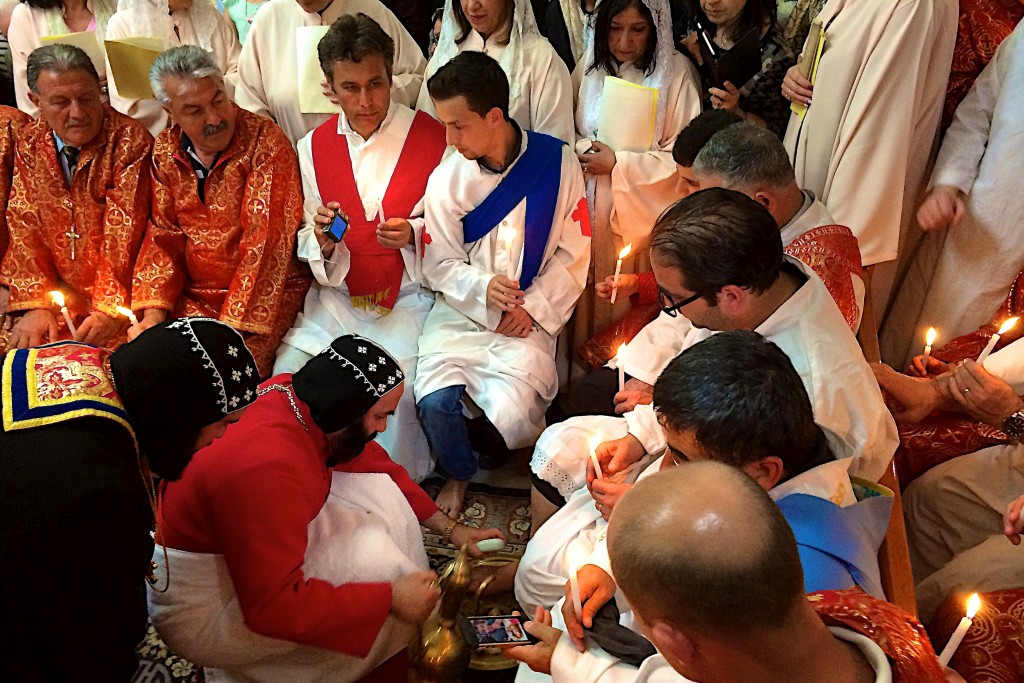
626 122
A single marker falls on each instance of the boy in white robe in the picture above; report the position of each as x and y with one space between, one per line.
370 282
268 66
507 251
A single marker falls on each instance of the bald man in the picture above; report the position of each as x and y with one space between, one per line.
711 570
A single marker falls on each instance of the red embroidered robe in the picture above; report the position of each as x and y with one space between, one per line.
11 121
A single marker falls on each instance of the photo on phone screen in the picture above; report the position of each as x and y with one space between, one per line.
336 230
499 631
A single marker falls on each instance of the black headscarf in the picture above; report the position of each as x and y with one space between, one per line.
345 380
178 377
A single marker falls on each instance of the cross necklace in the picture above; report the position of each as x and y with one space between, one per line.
72 238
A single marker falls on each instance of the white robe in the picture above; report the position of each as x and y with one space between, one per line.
225 49
982 155
545 101
511 380
808 327
864 145
328 312
267 67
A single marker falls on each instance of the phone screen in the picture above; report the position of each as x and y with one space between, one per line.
499 631
336 230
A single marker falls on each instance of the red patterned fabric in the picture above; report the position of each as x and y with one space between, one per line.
993 649
943 436
900 636
984 24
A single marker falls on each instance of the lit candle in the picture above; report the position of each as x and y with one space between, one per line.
618 269
507 237
380 210
994 339
128 313
929 339
574 583
621 368
58 298
595 441
973 605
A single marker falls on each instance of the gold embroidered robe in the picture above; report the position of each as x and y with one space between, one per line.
106 206
11 121
231 257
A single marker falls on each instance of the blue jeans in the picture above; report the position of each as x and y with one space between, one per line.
445 426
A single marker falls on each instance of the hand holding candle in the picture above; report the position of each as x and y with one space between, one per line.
994 339
58 298
128 313
929 339
595 441
973 605
618 270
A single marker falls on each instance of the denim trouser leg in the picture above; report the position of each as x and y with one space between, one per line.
445 426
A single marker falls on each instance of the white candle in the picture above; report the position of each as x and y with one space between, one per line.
619 366
929 339
595 441
618 269
973 605
507 237
128 313
994 339
380 210
58 298
574 581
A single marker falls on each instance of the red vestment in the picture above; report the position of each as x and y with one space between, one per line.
11 121
831 251
106 207
250 495
231 257
900 636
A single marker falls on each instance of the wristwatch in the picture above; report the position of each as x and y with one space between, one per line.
1013 426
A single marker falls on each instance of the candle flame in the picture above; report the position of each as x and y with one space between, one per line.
58 297
507 235
973 605
622 350
929 338
595 441
1008 325
126 312
625 251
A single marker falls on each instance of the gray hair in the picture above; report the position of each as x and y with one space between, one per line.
188 63
745 156
57 58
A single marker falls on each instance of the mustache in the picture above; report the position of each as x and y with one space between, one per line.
214 129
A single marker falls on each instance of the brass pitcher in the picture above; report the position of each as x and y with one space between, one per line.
439 652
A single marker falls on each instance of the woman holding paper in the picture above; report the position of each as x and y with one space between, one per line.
634 94
172 23
35 22
726 22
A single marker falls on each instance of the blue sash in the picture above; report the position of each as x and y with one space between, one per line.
536 177
838 545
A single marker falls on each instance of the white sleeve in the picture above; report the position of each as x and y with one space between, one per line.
654 347
643 424
553 294
250 93
1008 365
407 72
551 97
21 38
569 665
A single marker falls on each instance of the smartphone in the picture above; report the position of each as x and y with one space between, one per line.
500 631
335 230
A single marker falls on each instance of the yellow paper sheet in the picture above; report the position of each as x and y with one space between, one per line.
311 97
628 111
799 108
130 59
86 40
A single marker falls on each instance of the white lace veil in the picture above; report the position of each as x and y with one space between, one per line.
524 27
153 19
593 81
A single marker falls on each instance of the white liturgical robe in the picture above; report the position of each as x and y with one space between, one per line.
268 68
808 327
511 380
328 312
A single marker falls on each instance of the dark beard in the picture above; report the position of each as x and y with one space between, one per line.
348 443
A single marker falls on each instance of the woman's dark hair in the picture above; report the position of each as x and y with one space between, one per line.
44 4
603 58
756 13
463 20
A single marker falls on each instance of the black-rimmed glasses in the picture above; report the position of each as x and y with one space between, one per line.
670 306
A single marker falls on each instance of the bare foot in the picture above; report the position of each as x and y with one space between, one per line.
450 497
504 578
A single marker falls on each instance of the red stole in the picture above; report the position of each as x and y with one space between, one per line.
833 254
375 271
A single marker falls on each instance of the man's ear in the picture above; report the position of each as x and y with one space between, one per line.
495 117
767 200
675 646
732 299
767 472
33 98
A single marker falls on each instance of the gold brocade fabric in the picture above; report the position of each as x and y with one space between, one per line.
107 205
11 121
232 257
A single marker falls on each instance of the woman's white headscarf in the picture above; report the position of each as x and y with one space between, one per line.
153 19
593 81
579 26
524 28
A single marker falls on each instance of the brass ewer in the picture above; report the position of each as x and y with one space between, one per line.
439 652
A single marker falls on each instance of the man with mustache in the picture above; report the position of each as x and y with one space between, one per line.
227 203
272 583
78 206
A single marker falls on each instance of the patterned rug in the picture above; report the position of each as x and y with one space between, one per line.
486 506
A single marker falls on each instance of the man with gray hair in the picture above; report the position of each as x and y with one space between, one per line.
78 206
227 205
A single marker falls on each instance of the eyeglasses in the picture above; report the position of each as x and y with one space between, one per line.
670 306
